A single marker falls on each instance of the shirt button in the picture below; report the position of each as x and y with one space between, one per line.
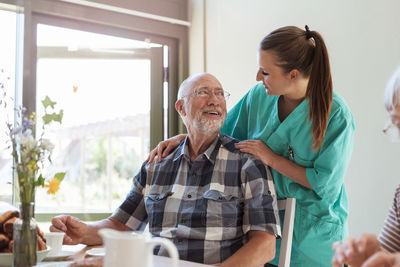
189 196
269 192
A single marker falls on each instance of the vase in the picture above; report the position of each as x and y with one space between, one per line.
25 236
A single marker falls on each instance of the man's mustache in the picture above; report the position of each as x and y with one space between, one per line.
217 109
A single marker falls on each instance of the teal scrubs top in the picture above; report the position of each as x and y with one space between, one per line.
321 213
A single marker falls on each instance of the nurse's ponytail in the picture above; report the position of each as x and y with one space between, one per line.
305 51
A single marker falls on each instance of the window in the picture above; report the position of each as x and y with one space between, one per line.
103 84
8 22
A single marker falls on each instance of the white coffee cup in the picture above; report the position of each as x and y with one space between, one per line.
129 249
54 240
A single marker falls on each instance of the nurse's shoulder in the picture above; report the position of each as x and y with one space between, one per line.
340 110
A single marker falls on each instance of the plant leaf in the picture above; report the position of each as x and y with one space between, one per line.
47 102
59 116
47 118
60 176
40 181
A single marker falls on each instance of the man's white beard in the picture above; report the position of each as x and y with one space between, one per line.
209 126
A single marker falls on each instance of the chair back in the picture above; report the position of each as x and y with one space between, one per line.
289 205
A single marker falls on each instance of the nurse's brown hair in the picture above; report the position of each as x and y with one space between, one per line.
305 51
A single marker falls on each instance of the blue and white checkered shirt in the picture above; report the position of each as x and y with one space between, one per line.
204 207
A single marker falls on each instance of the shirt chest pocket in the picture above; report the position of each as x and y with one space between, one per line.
157 208
223 209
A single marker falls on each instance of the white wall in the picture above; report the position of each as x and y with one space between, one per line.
363 40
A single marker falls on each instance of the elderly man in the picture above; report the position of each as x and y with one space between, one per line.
215 203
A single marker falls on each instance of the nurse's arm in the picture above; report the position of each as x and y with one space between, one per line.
291 170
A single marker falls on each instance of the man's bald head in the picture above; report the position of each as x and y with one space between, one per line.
188 84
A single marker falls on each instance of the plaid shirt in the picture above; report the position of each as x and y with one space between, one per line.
204 207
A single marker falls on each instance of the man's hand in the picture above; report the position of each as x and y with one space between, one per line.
73 228
259 250
381 258
355 251
164 148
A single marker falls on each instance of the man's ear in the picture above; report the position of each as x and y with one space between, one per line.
180 107
294 74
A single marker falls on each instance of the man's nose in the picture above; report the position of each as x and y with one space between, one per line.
213 99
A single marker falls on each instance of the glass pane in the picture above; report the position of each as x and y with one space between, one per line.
7 78
104 137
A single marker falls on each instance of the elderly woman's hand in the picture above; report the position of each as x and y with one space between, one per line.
355 251
381 258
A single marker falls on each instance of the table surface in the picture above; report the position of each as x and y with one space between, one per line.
78 252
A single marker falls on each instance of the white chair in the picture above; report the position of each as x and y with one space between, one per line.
289 205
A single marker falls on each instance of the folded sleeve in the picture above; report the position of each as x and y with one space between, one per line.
326 176
132 212
260 205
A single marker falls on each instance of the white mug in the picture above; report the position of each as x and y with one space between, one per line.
54 240
130 249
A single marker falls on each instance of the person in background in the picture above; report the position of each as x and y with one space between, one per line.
294 122
368 250
216 204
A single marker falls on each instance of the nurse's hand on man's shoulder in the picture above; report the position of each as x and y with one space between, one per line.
355 251
258 149
165 147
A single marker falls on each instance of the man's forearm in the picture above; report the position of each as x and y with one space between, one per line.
92 236
256 252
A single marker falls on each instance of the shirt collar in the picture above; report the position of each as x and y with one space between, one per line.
210 153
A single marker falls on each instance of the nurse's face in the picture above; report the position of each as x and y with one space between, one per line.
274 79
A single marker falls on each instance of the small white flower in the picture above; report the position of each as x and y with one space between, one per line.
47 145
26 140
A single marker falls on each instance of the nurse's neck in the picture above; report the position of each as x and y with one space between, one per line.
297 92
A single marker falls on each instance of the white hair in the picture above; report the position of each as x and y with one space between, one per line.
185 84
392 92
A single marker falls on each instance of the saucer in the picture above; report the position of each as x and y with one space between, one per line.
96 252
60 255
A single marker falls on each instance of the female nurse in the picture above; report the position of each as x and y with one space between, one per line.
297 125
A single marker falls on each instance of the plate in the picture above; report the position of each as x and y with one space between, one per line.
96 252
6 259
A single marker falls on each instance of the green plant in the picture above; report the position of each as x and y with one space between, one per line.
28 152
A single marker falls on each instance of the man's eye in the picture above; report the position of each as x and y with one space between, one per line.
265 73
219 93
203 92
